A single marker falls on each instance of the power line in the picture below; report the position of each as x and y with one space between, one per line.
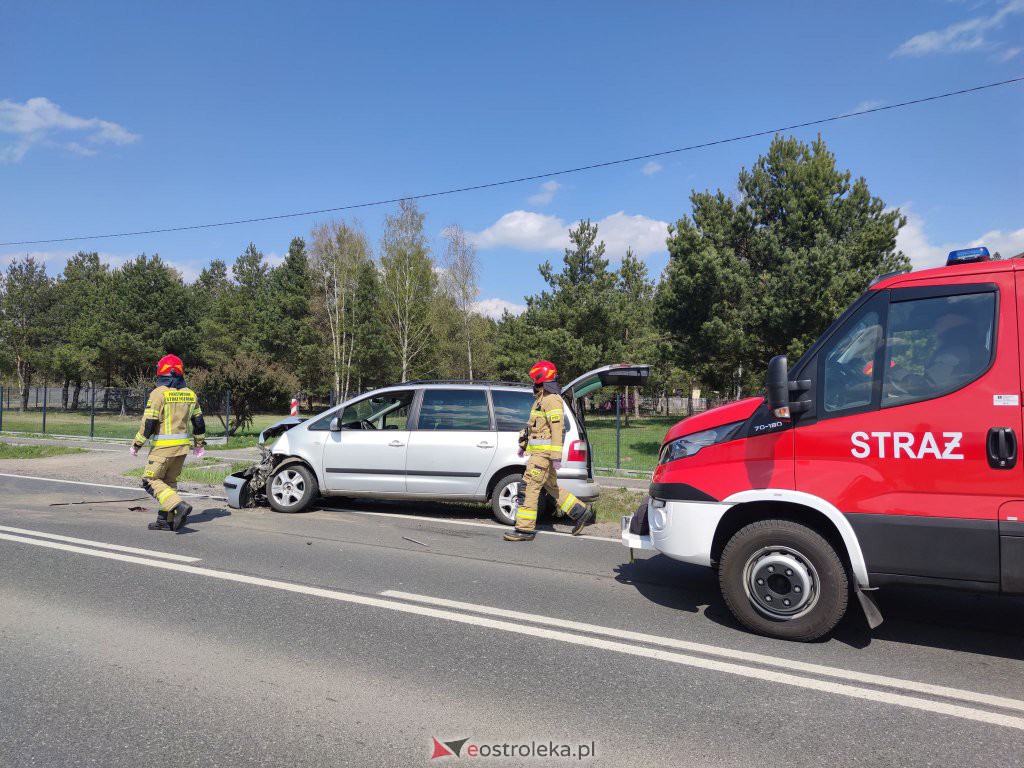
536 176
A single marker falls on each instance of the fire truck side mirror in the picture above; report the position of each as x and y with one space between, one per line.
778 386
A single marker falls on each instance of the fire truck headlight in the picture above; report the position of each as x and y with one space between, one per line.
688 445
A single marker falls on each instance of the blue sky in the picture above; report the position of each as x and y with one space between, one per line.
128 116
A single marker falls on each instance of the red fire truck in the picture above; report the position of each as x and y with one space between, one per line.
886 455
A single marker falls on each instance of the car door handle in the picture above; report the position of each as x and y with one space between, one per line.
484 444
396 443
1002 448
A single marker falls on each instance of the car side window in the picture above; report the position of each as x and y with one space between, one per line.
454 409
935 346
385 411
849 360
511 409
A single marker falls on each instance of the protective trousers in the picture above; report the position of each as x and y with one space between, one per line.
160 477
540 475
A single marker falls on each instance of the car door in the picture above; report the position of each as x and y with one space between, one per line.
453 444
365 451
908 400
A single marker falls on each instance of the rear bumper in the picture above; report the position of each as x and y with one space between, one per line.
236 488
583 488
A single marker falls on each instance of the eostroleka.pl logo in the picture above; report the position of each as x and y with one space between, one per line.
512 749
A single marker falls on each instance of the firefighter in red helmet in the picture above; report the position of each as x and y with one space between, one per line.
172 412
542 440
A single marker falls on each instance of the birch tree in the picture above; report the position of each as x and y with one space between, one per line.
408 283
460 282
338 251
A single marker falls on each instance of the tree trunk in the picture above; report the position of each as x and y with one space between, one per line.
64 393
75 395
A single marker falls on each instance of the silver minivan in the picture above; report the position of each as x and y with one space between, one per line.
420 440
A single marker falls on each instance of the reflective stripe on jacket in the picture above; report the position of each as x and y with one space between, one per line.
173 411
544 433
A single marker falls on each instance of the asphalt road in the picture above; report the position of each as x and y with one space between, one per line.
340 637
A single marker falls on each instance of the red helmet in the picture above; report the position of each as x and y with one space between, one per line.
170 364
543 370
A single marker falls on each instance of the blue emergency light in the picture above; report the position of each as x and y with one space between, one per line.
967 256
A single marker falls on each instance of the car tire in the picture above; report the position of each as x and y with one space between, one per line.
503 505
783 579
292 488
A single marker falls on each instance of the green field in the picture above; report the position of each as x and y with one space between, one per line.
202 472
639 442
76 423
8 451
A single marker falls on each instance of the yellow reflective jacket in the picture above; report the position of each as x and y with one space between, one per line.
544 432
170 416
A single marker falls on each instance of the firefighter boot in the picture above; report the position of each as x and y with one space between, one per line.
160 524
517 535
582 515
181 512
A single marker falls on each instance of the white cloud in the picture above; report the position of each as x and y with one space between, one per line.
41 122
963 36
495 308
529 231
914 242
650 168
866 105
546 194
1009 53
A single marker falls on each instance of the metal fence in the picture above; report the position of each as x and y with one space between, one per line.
93 412
627 443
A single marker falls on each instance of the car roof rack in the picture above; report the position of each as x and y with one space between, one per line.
482 382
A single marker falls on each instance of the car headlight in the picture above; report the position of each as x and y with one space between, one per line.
688 445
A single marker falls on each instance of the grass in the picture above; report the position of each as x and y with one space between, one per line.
202 472
8 451
639 442
108 425
616 502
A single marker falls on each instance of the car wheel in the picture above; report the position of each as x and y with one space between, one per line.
503 498
782 579
292 488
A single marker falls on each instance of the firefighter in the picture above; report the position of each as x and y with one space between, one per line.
542 440
172 411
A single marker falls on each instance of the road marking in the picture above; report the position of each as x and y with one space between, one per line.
99 485
765 675
497 527
713 650
101 544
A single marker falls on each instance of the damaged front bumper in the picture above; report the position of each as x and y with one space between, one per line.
636 529
248 487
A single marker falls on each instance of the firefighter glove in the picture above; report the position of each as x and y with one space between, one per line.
556 464
200 451
133 450
521 452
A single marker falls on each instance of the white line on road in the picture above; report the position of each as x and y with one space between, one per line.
492 526
713 650
101 545
765 675
97 485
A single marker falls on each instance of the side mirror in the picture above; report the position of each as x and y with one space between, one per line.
778 386
335 424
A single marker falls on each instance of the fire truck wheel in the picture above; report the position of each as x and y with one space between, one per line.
782 579
292 488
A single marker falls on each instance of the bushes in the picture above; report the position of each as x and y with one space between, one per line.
254 383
